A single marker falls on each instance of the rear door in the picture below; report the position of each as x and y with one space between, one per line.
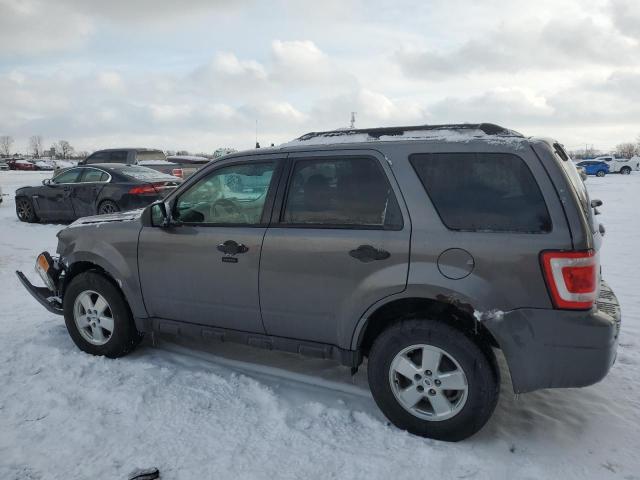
339 243
206 271
86 191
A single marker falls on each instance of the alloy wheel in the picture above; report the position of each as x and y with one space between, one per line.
93 317
428 382
25 210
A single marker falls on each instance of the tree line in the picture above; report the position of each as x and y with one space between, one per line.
622 150
61 149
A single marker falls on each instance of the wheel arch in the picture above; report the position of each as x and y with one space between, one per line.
75 268
456 313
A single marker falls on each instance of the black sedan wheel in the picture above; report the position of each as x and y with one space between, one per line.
107 207
25 210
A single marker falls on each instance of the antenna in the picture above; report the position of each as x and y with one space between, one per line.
353 120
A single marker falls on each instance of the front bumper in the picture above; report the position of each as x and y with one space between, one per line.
43 295
50 273
559 348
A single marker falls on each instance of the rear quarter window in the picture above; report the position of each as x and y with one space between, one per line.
483 192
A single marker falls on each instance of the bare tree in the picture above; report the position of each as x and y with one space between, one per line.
626 150
35 145
6 142
65 149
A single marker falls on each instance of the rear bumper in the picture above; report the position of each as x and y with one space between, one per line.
559 348
43 295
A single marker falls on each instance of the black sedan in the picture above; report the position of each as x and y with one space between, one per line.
89 190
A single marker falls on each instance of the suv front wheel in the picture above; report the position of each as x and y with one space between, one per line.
433 380
97 316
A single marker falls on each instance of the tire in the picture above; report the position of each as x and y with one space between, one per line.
107 206
112 328
600 173
469 410
25 210
625 170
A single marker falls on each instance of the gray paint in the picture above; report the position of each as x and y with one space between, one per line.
298 289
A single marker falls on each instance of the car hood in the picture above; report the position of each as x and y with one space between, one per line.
129 216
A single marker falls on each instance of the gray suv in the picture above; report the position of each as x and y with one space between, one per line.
422 249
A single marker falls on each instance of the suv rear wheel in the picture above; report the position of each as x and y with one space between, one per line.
625 170
432 380
97 316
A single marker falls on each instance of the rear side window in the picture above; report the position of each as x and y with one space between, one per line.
493 192
91 176
342 193
118 157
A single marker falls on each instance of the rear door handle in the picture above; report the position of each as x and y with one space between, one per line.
231 247
368 253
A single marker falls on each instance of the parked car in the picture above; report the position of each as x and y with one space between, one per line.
151 158
20 164
43 165
419 248
3 165
1 194
583 173
620 165
99 189
591 167
189 164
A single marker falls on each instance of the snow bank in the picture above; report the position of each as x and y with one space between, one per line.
229 412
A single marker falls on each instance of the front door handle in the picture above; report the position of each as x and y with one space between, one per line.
231 247
368 253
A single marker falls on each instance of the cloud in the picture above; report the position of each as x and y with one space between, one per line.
38 26
626 17
554 45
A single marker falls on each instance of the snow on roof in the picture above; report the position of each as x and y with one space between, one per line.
445 133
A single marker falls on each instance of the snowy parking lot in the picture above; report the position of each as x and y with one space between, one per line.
229 412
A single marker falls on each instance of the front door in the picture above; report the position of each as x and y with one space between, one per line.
54 199
341 243
206 270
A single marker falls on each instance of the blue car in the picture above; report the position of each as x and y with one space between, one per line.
599 169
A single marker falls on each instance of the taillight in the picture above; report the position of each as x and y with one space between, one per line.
143 189
572 278
177 172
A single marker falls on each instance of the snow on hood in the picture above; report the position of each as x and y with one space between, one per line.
109 218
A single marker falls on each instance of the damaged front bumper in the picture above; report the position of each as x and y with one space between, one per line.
50 272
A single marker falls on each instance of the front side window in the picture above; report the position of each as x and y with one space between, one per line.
69 176
491 192
342 192
230 195
100 157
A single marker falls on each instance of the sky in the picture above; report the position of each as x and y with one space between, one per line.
201 74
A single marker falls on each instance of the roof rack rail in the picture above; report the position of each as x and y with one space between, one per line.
487 128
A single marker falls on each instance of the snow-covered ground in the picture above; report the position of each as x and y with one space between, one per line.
228 412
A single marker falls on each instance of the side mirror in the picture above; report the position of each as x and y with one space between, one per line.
595 203
160 216
46 182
